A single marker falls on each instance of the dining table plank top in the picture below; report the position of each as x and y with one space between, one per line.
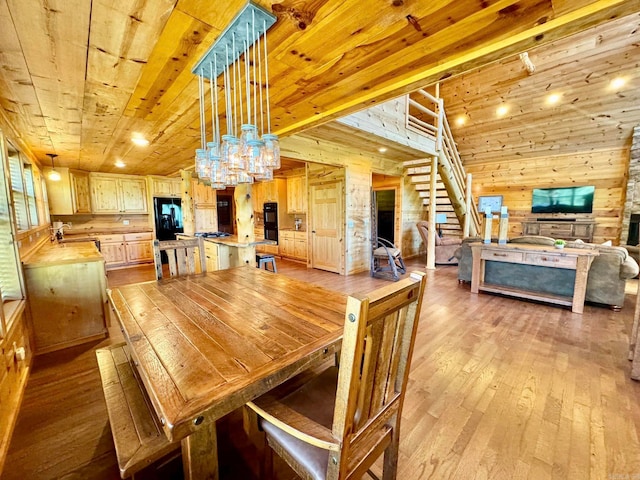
206 344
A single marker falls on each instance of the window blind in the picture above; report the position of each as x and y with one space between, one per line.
9 272
17 187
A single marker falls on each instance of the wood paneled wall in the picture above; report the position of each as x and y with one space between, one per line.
358 220
515 179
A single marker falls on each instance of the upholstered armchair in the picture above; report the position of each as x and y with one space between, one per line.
445 247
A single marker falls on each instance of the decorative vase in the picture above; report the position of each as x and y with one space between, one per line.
558 245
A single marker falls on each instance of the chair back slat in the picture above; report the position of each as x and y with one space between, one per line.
181 256
377 344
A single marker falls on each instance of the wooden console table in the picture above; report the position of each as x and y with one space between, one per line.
539 255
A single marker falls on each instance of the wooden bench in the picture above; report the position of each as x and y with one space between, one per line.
136 429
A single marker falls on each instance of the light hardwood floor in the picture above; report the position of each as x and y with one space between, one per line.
499 388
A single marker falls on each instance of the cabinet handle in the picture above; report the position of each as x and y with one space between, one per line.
499 254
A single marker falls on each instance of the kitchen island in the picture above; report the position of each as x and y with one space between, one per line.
228 252
67 294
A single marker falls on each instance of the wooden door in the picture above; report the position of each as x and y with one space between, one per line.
326 226
134 195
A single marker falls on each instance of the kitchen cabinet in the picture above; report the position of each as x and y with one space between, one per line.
138 247
118 193
165 187
126 249
296 195
293 244
271 191
203 194
112 249
70 195
206 219
66 290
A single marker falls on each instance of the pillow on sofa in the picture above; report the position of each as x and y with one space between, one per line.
533 240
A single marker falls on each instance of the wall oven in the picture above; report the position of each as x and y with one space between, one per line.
270 211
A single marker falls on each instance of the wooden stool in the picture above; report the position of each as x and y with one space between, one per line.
264 259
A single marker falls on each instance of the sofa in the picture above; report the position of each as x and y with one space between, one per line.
605 283
445 247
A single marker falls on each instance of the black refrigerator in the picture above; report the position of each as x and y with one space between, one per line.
168 217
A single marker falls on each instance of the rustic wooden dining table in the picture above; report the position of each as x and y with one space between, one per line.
206 344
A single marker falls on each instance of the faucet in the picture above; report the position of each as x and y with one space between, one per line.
58 229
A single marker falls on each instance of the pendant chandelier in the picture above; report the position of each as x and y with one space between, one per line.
247 151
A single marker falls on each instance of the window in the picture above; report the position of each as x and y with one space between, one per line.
10 280
17 189
30 192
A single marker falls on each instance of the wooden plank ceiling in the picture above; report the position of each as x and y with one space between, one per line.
80 77
590 112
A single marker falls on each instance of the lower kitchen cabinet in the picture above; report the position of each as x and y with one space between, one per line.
126 249
112 249
66 291
293 244
139 247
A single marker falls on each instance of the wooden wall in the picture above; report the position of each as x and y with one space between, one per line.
358 220
515 179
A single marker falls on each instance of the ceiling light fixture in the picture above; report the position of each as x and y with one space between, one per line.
247 151
120 164
53 175
461 120
382 149
139 140
553 98
618 83
502 110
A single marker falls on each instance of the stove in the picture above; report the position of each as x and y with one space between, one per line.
212 234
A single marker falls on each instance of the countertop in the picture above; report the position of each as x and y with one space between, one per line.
291 229
88 232
64 253
234 241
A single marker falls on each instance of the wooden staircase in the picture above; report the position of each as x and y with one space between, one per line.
425 115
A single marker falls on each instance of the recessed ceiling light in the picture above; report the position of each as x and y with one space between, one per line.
139 140
553 98
461 120
502 110
382 149
120 164
618 82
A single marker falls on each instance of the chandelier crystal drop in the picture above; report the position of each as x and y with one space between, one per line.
245 151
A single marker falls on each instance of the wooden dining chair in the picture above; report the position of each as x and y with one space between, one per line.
338 423
182 256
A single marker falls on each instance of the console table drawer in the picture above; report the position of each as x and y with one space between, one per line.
502 256
551 260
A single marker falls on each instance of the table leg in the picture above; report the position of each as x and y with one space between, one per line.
580 285
200 454
477 270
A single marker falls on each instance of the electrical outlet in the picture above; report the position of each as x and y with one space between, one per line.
125 222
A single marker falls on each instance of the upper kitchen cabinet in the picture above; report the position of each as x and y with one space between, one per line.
296 195
118 193
165 187
69 195
203 194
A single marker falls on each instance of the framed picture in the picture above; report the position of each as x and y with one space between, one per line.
493 202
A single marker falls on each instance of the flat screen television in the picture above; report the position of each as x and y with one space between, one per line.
563 200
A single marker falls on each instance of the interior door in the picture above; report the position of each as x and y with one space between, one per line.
326 226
